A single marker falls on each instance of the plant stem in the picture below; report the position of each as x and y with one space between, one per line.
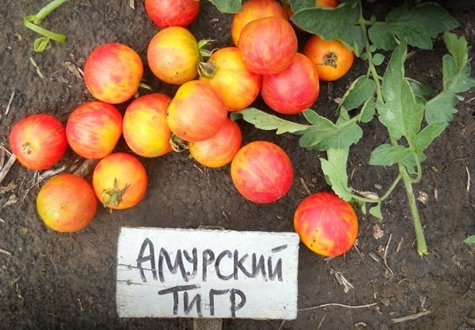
420 238
45 11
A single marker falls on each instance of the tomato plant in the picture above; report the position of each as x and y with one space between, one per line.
173 55
294 89
332 59
226 71
262 172
326 224
196 112
119 181
145 126
38 141
166 13
252 10
259 49
66 203
93 129
112 72
220 149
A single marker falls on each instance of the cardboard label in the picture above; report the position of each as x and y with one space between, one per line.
206 273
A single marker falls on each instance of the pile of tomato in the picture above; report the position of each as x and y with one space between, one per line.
263 61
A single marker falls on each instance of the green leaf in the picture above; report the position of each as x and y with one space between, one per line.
419 25
470 240
387 155
360 91
375 211
456 72
334 169
378 59
368 110
298 5
228 6
338 23
268 122
425 137
324 135
399 112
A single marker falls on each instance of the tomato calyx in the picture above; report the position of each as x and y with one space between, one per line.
178 144
207 69
114 195
330 59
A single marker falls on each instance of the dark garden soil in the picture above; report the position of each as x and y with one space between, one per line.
50 280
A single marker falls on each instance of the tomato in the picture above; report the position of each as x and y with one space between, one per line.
112 72
332 58
326 224
226 71
252 10
173 55
145 125
93 129
166 13
38 141
318 3
66 203
119 181
196 112
220 149
267 45
262 172
294 89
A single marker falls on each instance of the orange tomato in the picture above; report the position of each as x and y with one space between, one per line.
252 10
119 181
173 55
332 58
226 71
145 126
66 203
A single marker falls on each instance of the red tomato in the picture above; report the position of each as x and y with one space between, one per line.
226 71
119 181
252 10
267 45
197 111
112 73
66 203
145 125
173 55
166 13
220 149
294 89
332 59
93 129
38 141
262 172
326 224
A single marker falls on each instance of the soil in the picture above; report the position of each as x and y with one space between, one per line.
67 281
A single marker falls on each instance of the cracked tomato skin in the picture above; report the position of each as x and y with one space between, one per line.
252 10
38 141
112 72
119 181
167 13
145 126
66 203
332 59
93 129
294 89
326 224
196 112
262 172
267 45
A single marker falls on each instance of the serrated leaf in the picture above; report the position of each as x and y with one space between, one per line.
268 122
338 23
387 155
470 240
359 92
419 25
399 112
228 6
334 169
425 137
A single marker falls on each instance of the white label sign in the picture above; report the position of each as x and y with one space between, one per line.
207 273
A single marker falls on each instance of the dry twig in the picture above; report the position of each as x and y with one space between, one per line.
410 317
385 258
336 305
7 167
7 110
